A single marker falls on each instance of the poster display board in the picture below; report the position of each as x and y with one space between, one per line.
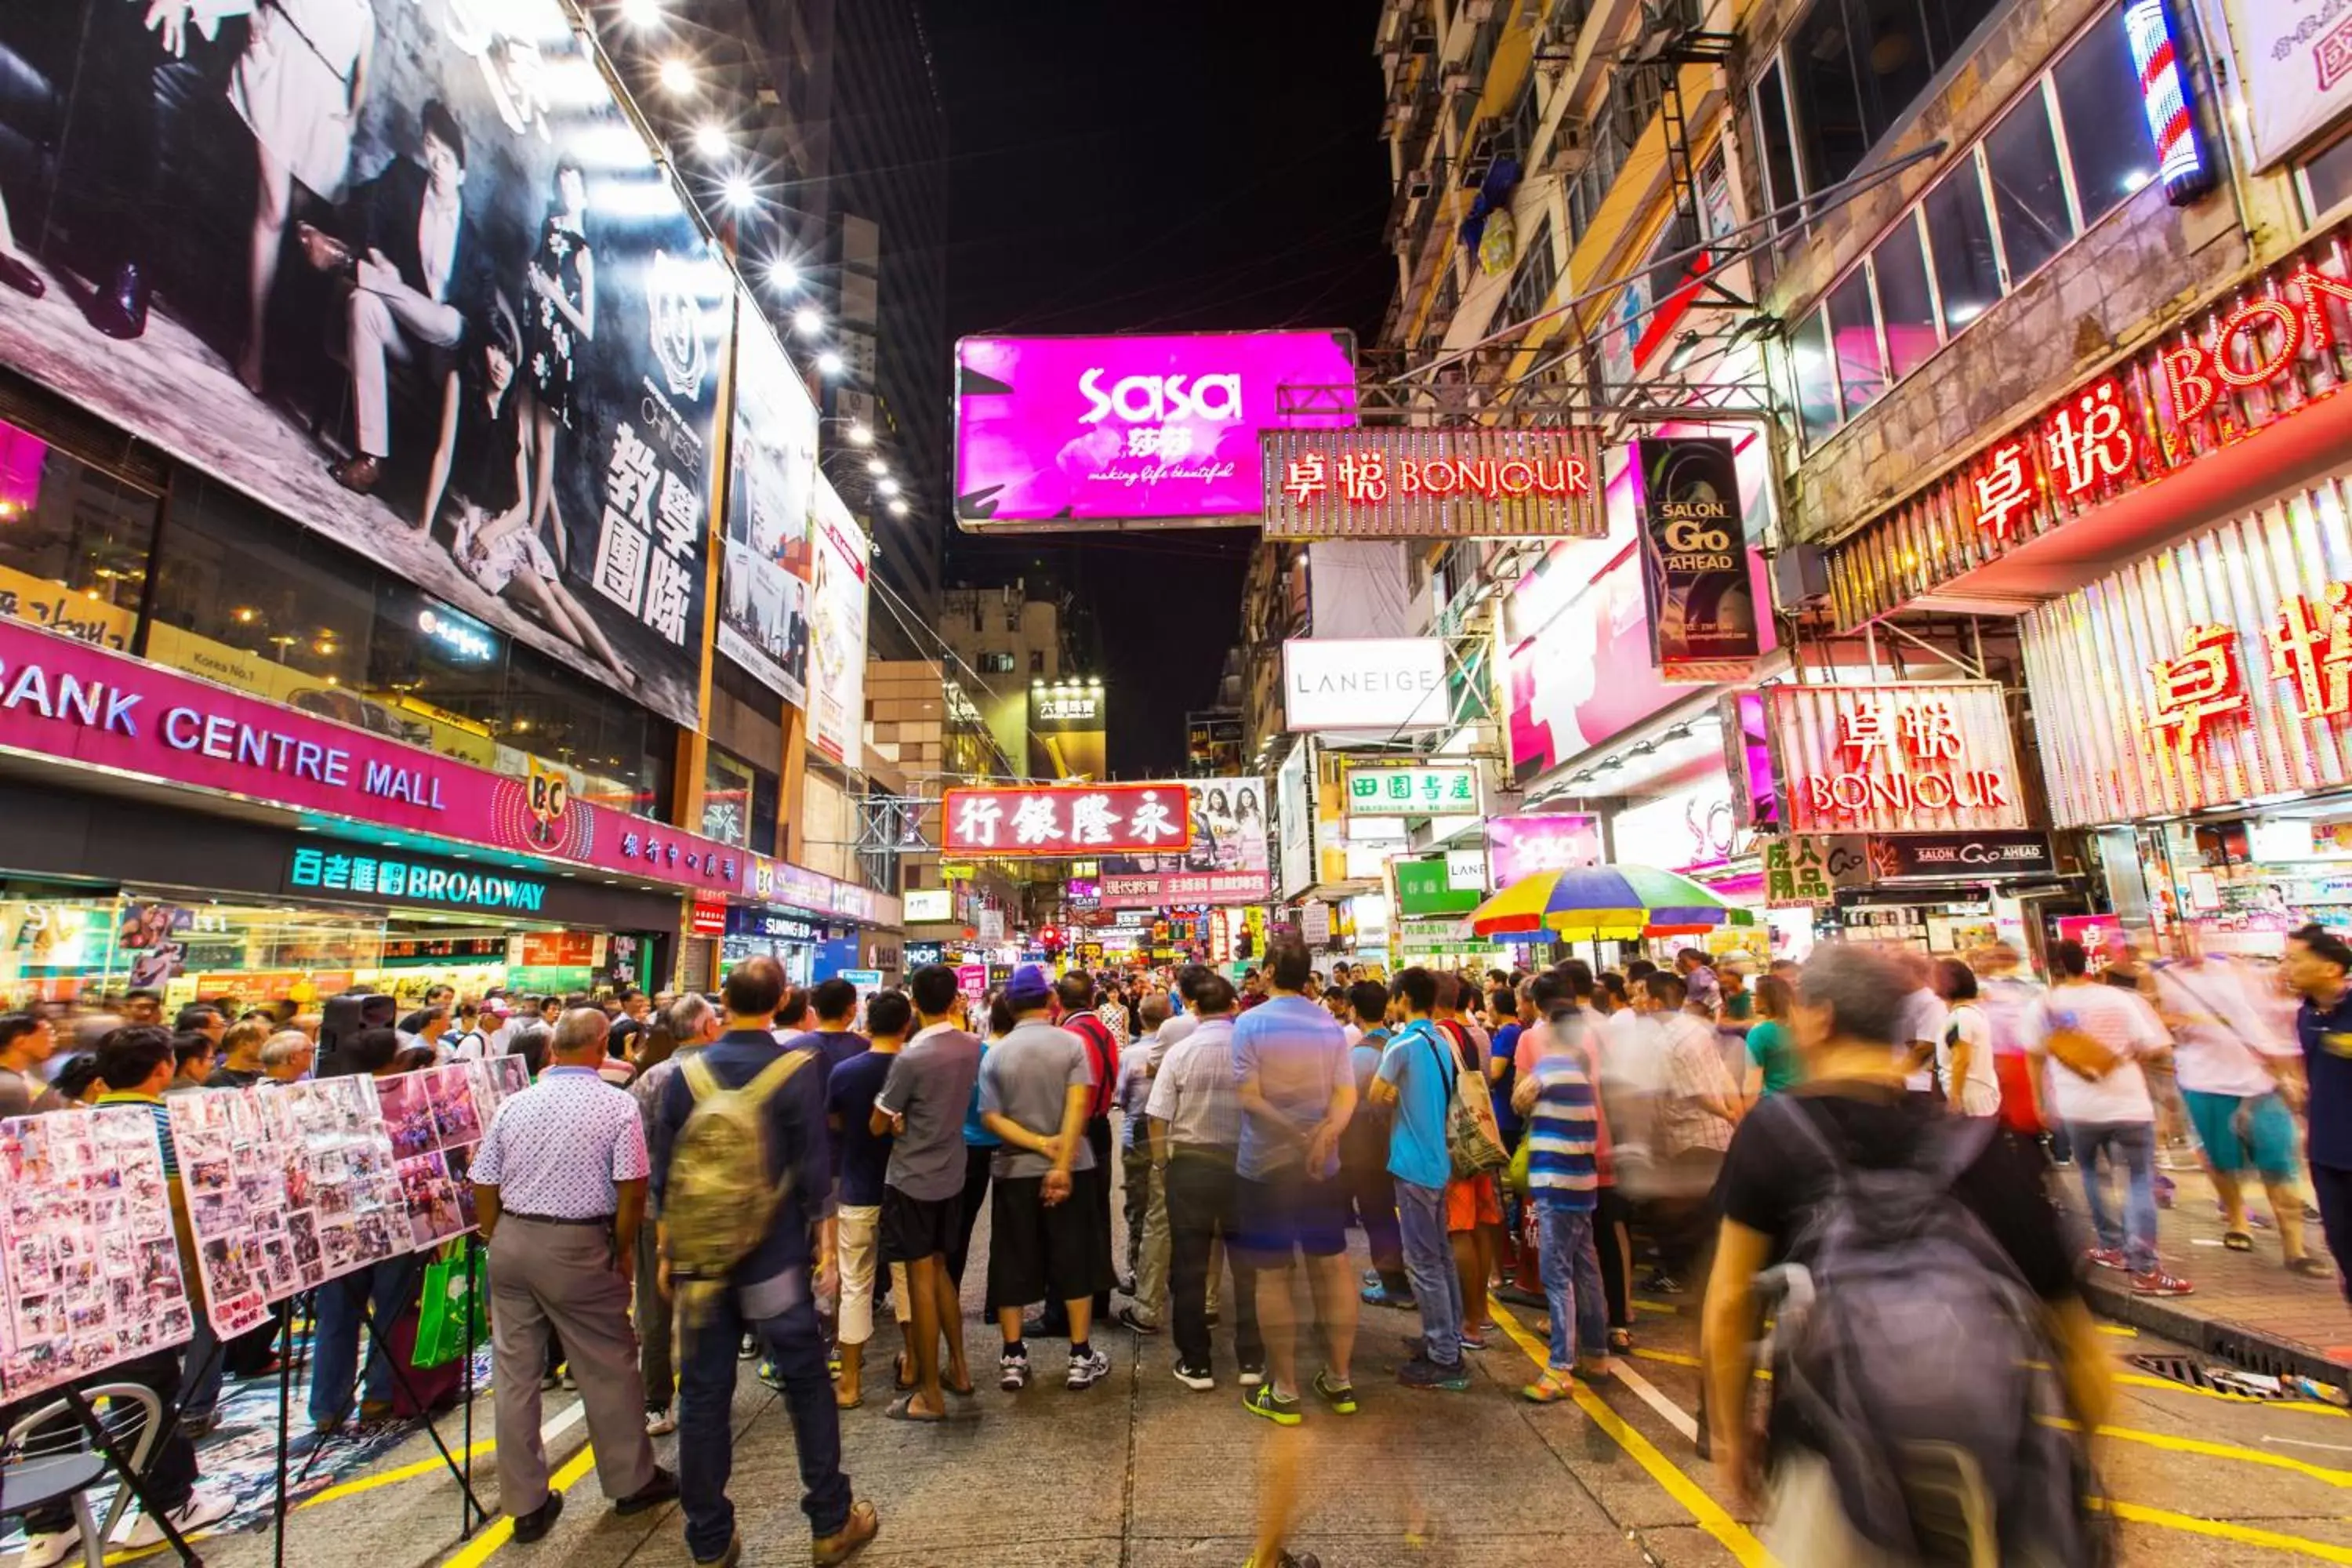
90 1270
763 610
1229 861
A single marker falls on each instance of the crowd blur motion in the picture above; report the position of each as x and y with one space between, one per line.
1852 1166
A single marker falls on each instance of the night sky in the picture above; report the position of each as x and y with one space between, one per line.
1127 168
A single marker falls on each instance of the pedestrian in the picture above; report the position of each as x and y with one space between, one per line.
2318 964
560 1187
1771 1056
980 1147
864 1158
1046 1242
743 1175
1417 1080
922 1102
835 1005
1074 996
792 1015
28 1041
238 1063
670 1038
1194 1138
1967 1434
1563 1133
377 1296
1924 1018
1964 1055
194 1052
1146 1283
2095 1038
1698 1109
1473 1208
2238 1081
1364 1153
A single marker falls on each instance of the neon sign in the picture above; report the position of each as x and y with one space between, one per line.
2310 646
1894 758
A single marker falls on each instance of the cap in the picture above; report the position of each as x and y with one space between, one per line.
1029 982
497 1008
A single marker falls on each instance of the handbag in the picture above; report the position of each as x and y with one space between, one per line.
452 1316
1472 1137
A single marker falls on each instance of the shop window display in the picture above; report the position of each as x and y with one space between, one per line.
74 542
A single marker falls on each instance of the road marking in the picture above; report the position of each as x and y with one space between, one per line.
1668 1411
501 1530
2165 1384
433 1466
2304 1443
2212 1450
1710 1514
2222 1530
2119 1331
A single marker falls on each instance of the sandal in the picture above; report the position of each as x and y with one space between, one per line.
2237 1241
1621 1342
1551 1388
902 1374
2309 1267
903 1409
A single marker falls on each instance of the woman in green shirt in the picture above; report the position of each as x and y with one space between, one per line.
1771 1053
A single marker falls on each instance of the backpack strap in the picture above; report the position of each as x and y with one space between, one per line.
771 1077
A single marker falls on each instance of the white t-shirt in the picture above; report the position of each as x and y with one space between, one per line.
2221 1038
1923 1019
1980 1095
2118 1020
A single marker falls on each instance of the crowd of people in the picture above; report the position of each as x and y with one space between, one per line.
1842 1151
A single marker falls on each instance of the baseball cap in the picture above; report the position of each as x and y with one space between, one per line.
497 1008
1029 982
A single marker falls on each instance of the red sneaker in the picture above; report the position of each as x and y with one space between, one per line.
2160 1283
2108 1258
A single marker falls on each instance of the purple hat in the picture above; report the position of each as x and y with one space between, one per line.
1030 984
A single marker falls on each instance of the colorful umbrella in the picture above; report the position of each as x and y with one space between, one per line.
1619 902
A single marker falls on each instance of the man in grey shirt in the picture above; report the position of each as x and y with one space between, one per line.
1044 1244
922 1105
1195 1115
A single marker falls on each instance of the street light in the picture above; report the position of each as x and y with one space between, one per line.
677 76
808 322
886 486
876 467
860 433
710 140
829 363
783 276
898 508
641 12
739 193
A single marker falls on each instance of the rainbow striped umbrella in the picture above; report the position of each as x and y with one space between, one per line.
1609 902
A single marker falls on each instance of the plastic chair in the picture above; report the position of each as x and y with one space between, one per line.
64 1465
38 1483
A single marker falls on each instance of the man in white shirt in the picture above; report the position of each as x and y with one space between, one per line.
2095 1036
1924 1021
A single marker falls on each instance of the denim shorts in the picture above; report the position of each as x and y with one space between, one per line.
2266 1144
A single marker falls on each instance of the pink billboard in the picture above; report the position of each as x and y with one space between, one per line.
1520 847
1083 430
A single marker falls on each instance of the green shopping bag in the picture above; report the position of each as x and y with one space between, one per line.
452 1316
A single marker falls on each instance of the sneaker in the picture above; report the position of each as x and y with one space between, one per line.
1013 1371
570 1384
864 1525
2107 1257
1473 1341
749 1348
662 1488
1423 1372
1087 1370
550 1382
1339 1396
1252 1373
660 1422
533 1526
1129 1318
1661 1283
1382 1296
770 1375
1198 1379
203 1508
48 1550
2156 1282
727 1559
1264 1401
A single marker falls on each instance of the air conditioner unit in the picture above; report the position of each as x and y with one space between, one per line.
1799 577
1480 11
1567 153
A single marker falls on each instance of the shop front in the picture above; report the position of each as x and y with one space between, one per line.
809 947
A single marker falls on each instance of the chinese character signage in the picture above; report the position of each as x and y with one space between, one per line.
1703 609
1069 734
1068 819
1894 758
838 605
1465 482
572 310
2294 72
1519 847
1438 790
2235 366
1805 870
764 609
346 868
1073 432
1229 860
2212 672
1429 888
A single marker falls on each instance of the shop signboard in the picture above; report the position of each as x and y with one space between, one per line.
1075 432
1519 847
1962 857
571 250
765 604
1294 823
1901 758
1063 819
776 925
1685 830
1069 734
708 917
2211 672
559 949
403 878
1443 790
971 979
1387 685
1479 482
2271 350
1807 869
1701 607
2294 72
837 601
66 701
1428 887
924 904
916 955
783 882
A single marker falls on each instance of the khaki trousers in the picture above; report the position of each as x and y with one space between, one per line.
563 1278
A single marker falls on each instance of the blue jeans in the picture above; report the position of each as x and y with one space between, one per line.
201 1365
1571 1281
706 1428
1429 1264
386 1288
2132 1145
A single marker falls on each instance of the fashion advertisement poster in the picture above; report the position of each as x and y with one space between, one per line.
400 269
771 500
837 646
1701 607
1229 861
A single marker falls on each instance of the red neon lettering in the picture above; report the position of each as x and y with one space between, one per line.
1440 477
1577 480
1516 476
1477 475
2316 284
2243 318
1942 783
1817 794
2186 377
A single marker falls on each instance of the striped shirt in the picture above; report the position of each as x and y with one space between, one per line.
154 1105
1563 1133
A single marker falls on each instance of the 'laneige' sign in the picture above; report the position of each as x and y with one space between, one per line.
1364 683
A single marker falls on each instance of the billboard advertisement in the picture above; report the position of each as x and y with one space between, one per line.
1229 861
1703 608
837 615
1364 683
1078 431
1067 738
1520 847
459 323
771 505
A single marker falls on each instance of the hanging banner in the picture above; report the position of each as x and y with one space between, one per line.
1228 862
1480 482
1703 612
1914 758
837 601
2294 72
771 503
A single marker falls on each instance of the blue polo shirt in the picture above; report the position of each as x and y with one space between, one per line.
1298 1054
2325 1033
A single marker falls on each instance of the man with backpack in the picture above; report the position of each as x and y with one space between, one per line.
742 1177
1416 1077
1887 1227
1074 994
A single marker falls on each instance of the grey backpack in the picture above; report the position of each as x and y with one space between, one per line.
1910 1352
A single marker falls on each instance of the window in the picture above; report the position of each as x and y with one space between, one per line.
2106 130
1854 332
996 664
2327 179
1959 237
1906 306
2029 193
1780 187
1525 121
1817 388
74 542
1833 137
1531 285
1856 69
1036 661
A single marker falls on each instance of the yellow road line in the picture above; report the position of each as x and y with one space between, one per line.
435 1465
2119 1331
501 1530
1710 1514
2212 1450
2306 1406
2222 1530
